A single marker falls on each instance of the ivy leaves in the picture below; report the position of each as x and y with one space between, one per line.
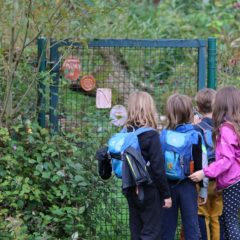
49 186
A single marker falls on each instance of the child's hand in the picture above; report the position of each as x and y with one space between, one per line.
196 120
197 176
167 203
202 201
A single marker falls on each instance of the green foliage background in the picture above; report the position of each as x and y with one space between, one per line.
48 184
23 21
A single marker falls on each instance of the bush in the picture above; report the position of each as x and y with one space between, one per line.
49 186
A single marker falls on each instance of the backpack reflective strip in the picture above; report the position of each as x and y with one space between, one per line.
130 164
204 149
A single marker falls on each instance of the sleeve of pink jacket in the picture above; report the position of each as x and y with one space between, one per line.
226 148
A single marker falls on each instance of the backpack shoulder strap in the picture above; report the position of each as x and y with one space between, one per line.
204 126
144 129
195 136
124 130
163 131
201 127
204 129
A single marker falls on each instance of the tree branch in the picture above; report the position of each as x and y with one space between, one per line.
17 108
33 39
59 6
10 73
25 36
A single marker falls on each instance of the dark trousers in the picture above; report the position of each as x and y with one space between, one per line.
184 197
145 216
231 207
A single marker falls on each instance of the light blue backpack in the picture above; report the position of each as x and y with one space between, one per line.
177 151
119 142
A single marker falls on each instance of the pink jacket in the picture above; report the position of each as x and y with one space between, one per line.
226 168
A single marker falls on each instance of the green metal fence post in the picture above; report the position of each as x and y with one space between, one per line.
201 64
41 42
212 52
55 68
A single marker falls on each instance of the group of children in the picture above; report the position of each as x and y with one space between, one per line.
217 199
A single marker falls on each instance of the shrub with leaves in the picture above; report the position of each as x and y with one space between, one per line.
49 186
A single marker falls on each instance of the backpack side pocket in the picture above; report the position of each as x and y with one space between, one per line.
104 163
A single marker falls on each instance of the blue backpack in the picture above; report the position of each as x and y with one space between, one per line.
177 151
117 146
207 136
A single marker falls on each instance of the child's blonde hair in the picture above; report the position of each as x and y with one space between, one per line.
141 110
179 110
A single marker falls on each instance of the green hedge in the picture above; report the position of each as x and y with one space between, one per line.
49 186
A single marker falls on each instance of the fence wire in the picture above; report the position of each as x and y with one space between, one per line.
159 71
228 65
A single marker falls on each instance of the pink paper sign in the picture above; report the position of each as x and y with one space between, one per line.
118 115
104 98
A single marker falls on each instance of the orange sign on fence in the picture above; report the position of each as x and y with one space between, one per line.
71 68
88 83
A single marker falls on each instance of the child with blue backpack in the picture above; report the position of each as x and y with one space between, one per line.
209 212
183 153
226 168
145 216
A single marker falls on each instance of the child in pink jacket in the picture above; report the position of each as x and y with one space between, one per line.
226 168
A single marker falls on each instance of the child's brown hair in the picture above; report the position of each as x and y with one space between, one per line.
226 108
179 110
204 100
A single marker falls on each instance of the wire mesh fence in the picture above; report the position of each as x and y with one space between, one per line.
159 71
228 64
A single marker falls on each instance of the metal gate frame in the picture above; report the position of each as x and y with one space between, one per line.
206 65
204 47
